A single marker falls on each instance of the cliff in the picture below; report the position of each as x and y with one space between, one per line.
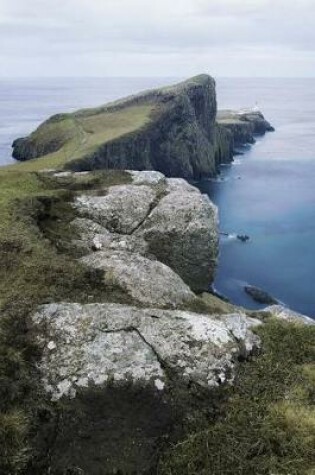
110 360
172 130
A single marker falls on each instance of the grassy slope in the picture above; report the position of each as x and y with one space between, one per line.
267 425
81 133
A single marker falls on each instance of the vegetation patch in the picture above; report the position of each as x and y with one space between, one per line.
267 424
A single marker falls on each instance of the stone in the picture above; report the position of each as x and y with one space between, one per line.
182 232
121 210
145 281
94 237
97 344
146 177
260 295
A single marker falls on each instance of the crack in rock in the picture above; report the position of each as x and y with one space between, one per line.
121 343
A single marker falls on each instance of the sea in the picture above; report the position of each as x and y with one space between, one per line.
268 192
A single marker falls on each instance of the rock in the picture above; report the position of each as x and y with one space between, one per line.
94 237
236 129
146 177
285 313
243 237
181 231
121 210
260 295
174 224
145 281
98 344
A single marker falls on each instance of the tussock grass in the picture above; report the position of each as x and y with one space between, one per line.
267 425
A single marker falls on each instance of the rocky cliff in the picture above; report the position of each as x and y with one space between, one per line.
112 357
172 130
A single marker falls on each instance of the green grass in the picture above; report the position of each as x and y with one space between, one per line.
79 135
267 424
34 270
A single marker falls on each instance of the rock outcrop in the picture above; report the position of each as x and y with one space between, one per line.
86 345
123 376
144 280
157 218
174 130
236 129
259 295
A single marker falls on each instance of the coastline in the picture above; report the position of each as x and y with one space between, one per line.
118 348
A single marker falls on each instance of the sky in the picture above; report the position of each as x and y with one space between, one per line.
227 38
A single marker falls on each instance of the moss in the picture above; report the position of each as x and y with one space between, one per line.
267 424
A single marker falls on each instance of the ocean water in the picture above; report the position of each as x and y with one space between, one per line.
267 193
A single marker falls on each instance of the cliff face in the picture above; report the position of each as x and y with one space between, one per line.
174 130
176 135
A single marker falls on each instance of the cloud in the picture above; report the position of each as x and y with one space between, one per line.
137 37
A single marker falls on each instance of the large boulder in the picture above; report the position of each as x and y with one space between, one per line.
182 232
123 381
145 281
94 344
122 209
162 219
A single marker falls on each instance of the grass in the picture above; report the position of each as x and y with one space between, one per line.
267 425
33 271
75 136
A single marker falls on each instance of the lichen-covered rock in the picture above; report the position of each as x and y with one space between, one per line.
146 177
284 313
145 281
88 345
94 237
121 210
163 218
181 231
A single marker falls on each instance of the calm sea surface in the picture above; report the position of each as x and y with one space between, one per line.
268 193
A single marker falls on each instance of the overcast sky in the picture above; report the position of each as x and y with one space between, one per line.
157 37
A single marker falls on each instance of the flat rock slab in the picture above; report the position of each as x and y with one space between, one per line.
95 344
145 281
121 210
